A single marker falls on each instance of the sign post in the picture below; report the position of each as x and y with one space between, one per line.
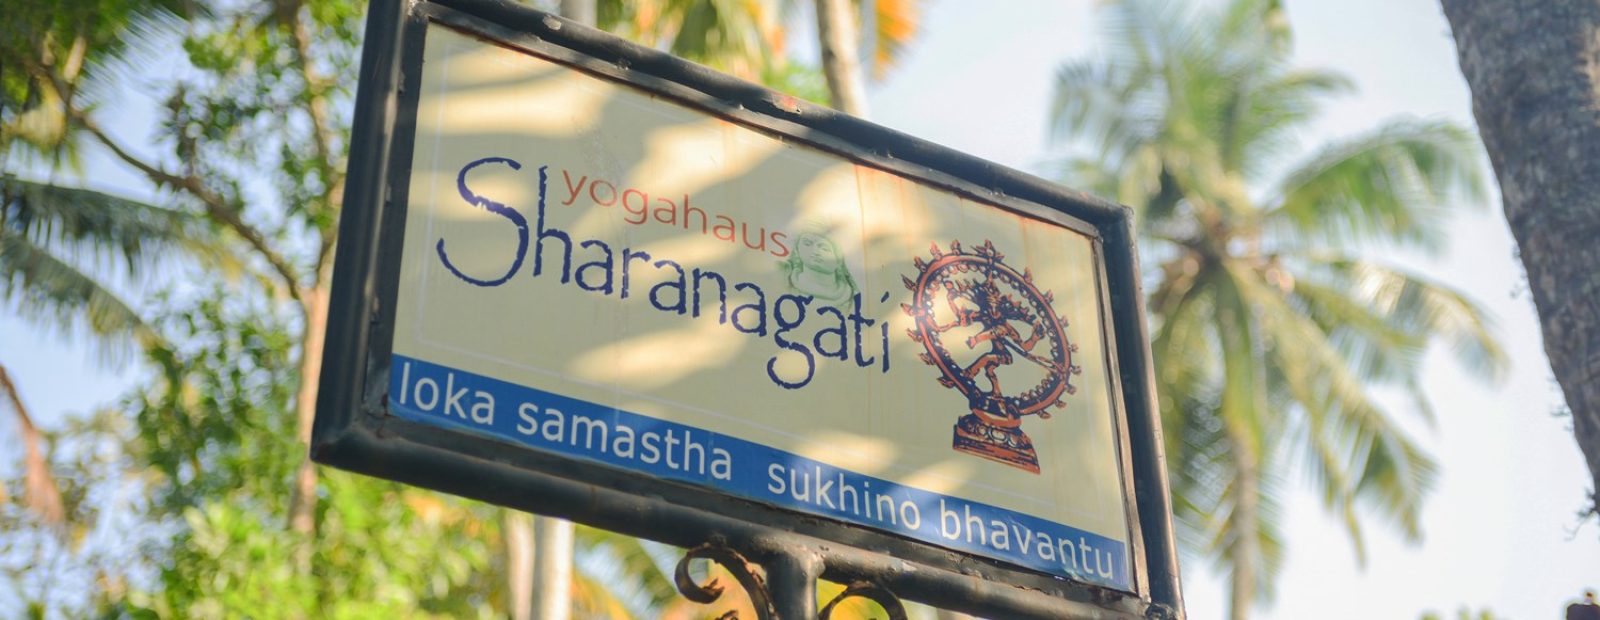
586 279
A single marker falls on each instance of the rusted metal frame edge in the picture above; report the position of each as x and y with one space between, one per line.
1137 377
1120 408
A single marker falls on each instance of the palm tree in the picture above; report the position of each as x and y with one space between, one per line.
45 232
1270 330
48 231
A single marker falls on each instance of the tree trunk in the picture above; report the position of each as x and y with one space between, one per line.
1246 546
1240 410
519 563
552 568
581 11
1534 72
40 493
303 497
838 34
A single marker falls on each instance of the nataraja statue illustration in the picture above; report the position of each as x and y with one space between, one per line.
987 301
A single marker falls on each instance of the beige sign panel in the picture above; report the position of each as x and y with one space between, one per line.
606 274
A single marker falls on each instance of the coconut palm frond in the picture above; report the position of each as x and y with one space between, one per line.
104 226
635 574
70 53
1390 185
47 290
1268 339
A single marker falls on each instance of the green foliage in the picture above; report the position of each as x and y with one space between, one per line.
48 233
377 556
1271 333
102 545
270 98
60 246
177 504
622 576
1463 614
802 81
212 439
52 50
216 438
217 420
742 37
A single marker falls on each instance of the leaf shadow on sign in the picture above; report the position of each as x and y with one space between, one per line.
622 168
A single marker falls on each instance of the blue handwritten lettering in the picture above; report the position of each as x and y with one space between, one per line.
497 209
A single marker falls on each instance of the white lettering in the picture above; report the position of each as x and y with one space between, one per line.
777 486
528 425
432 399
483 410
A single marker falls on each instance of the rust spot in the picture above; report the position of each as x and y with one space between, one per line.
787 103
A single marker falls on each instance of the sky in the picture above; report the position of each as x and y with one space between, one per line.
1501 527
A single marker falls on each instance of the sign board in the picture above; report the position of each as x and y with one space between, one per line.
625 274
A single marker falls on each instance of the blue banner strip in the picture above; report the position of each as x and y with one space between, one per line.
442 396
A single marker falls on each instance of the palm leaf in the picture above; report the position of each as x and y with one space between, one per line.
104 226
1114 106
57 53
1153 32
1217 415
1268 534
47 290
1377 345
594 598
1425 308
741 37
1388 185
1272 112
1266 351
1346 430
1263 19
635 573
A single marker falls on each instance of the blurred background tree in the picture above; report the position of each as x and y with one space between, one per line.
61 249
248 162
213 440
1270 329
1462 614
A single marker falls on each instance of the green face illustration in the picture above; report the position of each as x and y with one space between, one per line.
817 269
818 253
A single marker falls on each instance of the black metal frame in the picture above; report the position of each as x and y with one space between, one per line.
354 431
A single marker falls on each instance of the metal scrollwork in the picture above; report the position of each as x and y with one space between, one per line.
741 569
872 592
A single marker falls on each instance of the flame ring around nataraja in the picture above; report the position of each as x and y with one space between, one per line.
940 274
